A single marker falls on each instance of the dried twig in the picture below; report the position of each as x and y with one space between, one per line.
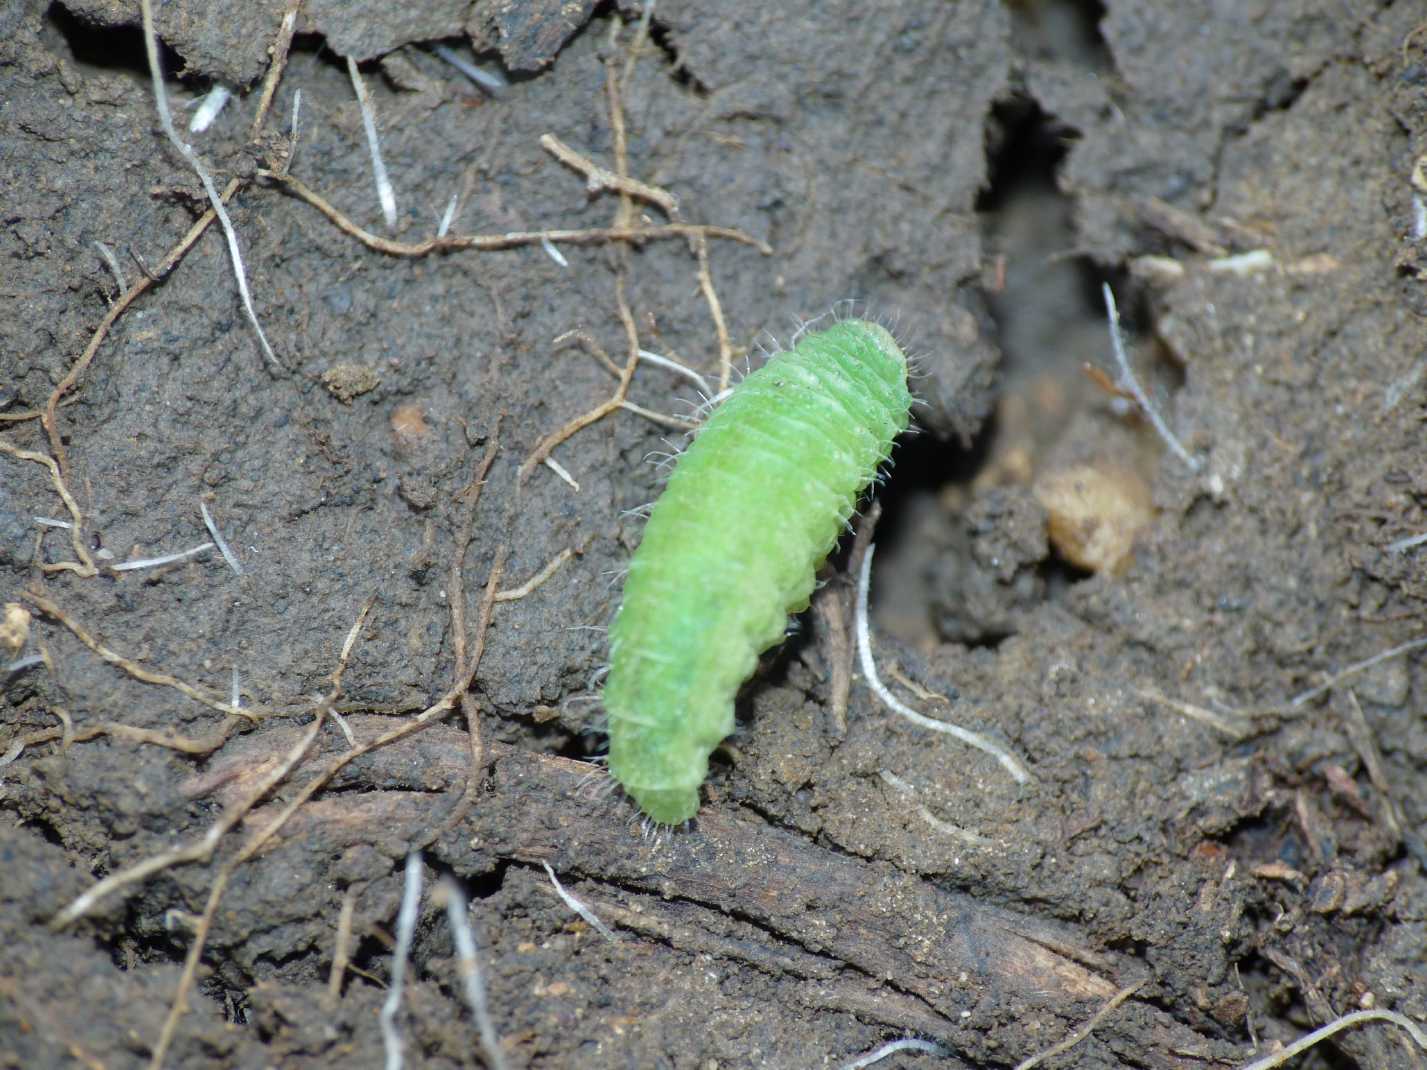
197 851
831 609
636 47
203 848
215 895
646 357
463 671
281 46
592 344
254 842
475 765
625 212
197 746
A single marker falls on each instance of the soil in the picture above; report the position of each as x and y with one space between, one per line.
1228 807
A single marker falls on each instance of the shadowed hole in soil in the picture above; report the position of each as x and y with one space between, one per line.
659 34
1065 30
117 49
1026 222
1035 290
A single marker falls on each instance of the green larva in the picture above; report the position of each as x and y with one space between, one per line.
752 508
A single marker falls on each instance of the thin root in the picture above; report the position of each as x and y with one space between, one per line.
892 1047
635 235
1357 667
706 286
1232 727
218 540
553 566
405 930
472 981
1084 1031
187 152
563 472
1128 382
578 906
600 411
84 567
466 663
1302 1044
138 672
385 194
1009 762
598 178
196 746
342 946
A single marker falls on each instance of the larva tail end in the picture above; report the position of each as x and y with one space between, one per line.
667 806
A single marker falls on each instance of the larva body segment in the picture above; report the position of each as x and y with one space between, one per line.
752 508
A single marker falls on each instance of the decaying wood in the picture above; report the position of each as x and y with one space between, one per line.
863 935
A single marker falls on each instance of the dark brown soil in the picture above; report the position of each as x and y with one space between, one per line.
973 171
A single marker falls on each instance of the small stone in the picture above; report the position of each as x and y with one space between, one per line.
347 381
14 627
1094 512
409 426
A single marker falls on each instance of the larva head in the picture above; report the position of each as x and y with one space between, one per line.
876 334
856 334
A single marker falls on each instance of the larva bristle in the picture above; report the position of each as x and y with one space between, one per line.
593 784
751 509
